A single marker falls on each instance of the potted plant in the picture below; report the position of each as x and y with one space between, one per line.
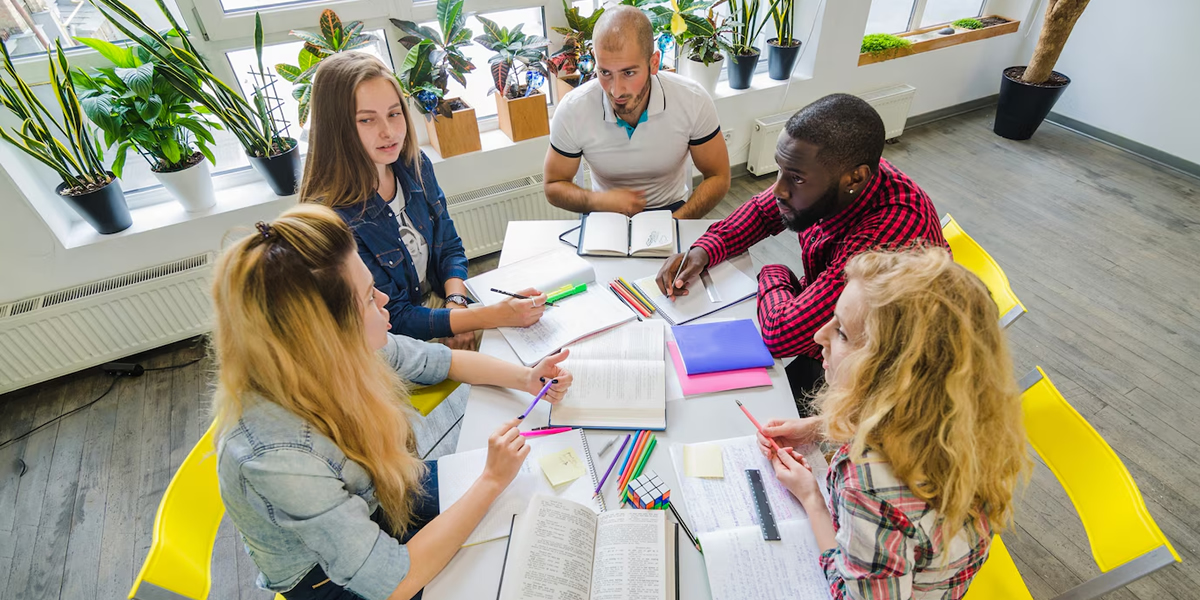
273 154
1028 93
784 48
86 186
432 59
884 45
138 109
519 68
747 24
574 64
332 39
703 44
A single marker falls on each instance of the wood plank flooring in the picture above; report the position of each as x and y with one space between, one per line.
1100 245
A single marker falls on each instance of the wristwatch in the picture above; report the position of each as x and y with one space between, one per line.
458 299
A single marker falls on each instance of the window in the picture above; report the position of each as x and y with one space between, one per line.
30 26
948 11
900 16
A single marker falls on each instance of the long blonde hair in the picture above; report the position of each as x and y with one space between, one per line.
932 388
338 171
289 328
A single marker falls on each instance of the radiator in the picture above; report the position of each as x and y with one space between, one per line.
892 103
481 216
87 325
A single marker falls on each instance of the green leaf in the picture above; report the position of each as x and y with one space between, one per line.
698 26
448 13
118 164
314 39
289 73
357 42
204 149
331 27
298 91
308 58
139 79
171 151
149 109
303 114
199 129
121 57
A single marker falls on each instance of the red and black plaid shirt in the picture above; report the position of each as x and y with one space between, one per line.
891 212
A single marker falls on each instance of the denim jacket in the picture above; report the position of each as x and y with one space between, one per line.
379 245
298 501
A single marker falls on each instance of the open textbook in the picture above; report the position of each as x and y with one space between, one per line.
561 550
456 473
740 563
569 319
620 380
653 233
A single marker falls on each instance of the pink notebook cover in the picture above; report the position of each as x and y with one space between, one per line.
716 382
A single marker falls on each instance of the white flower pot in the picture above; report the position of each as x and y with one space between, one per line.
705 75
193 186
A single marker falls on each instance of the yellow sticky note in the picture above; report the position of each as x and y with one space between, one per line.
703 460
562 466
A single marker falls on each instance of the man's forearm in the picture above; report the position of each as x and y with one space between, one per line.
568 196
707 195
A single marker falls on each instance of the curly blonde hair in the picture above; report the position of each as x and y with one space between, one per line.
931 389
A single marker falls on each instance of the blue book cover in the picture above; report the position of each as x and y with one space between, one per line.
721 346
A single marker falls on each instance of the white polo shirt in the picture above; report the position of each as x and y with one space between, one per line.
680 115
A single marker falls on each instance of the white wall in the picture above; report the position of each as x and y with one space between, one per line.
32 261
1132 72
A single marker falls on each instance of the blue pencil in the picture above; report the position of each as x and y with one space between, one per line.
612 464
625 462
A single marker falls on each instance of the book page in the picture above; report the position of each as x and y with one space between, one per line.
605 233
568 320
631 559
741 564
644 340
545 272
652 233
551 553
618 375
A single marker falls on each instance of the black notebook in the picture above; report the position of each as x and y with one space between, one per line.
654 233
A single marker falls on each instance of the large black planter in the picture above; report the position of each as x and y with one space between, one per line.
781 60
1023 106
104 209
741 69
282 171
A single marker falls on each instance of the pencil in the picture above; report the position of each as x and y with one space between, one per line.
695 540
671 288
628 454
539 396
627 468
633 289
517 296
626 303
638 459
624 294
637 472
612 464
756 425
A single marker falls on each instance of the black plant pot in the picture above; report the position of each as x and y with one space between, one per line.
781 60
281 171
741 69
1024 106
104 209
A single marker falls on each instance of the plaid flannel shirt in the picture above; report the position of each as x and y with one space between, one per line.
890 212
888 545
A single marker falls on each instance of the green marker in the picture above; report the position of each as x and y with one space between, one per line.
565 291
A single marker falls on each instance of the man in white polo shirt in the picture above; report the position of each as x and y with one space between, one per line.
636 127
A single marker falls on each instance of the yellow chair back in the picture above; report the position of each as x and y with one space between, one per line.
427 398
998 579
968 253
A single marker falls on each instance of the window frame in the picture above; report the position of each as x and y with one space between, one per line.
918 13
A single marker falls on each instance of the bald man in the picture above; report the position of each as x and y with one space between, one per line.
636 127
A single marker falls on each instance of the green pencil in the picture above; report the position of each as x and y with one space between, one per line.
637 472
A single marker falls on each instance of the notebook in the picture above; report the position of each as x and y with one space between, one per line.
653 233
707 383
728 284
721 346
457 472
569 319
619 380
740 563
562 550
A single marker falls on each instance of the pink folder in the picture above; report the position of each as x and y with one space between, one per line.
719 381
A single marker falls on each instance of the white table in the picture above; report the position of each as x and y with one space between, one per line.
475 571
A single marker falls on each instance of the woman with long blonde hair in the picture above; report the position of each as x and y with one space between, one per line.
921 397
364 162
315 454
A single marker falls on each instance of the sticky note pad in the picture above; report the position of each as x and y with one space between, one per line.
703 460
562 466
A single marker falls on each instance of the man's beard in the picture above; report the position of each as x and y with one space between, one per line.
627 113
799 221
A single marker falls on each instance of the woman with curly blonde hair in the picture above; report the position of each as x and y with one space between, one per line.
922 399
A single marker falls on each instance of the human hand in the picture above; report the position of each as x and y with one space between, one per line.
792 470
694 260
515 312
506 452
549 369
462 341
622 200
788 432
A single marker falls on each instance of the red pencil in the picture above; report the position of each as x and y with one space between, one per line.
757 426
634 303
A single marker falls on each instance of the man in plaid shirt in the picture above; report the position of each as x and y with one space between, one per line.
836 191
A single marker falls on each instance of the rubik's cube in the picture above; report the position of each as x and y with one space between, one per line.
649 492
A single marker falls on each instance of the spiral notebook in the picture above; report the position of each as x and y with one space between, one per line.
457 472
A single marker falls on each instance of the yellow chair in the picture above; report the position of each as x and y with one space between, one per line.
427 398
1125 541
179 564
968 253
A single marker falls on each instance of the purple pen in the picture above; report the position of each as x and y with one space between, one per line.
545 388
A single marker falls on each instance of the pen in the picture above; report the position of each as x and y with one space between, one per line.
756 425
626 303
676 278
695 540
607 446
551 431
539 396
517 296
612 464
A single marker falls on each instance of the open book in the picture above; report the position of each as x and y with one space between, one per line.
620 380
561 550
569 319
651 233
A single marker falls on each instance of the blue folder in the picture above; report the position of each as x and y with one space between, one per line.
721 346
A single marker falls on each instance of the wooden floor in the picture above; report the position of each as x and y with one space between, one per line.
1101 246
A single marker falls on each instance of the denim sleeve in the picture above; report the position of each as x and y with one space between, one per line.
406 318
451 257
424 363
303 493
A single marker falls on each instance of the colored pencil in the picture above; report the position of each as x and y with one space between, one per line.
638 459
627 468
550 431
628 454
632 288
756 425
539 396
612 464
634 303
626 303
637 472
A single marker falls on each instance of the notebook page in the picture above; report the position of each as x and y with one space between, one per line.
568 320
653 230
629 562
732 285
741 564
551 553
605 233
545 272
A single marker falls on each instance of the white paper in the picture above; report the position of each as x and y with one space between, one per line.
619 379
545 272
569 320
741 564
652 233
731 284
605 233
551 553
629 562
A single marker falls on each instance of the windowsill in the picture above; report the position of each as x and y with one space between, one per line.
924 43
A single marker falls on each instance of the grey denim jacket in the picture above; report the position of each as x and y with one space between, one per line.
298 501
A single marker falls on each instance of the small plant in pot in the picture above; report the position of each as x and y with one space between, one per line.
746 24
86 186
574 64
704 46
519 68
1027 94
884 44
139 110
433 58
332 38
784 48
259 127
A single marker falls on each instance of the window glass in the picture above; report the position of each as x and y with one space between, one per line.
28 27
